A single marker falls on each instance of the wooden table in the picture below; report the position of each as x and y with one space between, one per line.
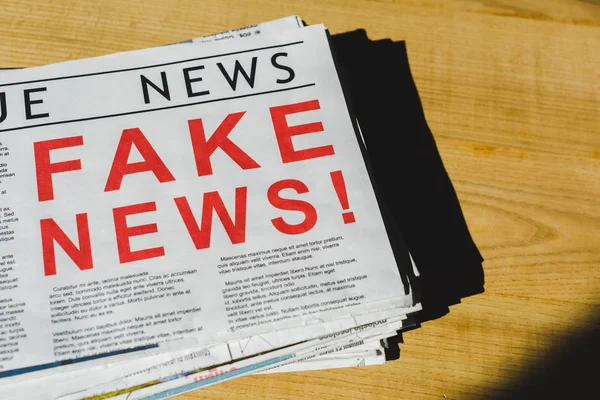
511 90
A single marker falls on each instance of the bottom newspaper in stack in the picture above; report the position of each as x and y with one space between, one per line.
345 329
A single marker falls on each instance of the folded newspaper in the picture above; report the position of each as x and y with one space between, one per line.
180 216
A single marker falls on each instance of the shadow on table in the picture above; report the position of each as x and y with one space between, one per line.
408 171
418 200
567 370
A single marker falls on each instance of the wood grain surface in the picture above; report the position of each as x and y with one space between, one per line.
511 90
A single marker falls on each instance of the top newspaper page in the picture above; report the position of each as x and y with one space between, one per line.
182 193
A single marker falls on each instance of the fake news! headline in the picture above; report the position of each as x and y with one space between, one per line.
202 148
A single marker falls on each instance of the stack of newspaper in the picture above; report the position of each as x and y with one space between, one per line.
176 217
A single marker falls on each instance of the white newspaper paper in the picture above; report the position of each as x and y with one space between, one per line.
263 28
106 378
326 345
139 226
341 359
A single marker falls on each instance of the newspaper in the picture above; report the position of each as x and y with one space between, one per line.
70 253
120 376
217 356
325 345
263 28
368 356
331 361
183 362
